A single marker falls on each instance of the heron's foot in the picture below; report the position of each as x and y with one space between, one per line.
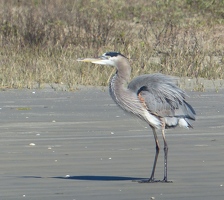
166 181
152 180
149 181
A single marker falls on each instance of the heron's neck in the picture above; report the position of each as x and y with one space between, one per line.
121 78
118 85
123 72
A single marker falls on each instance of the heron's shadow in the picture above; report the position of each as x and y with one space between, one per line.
99 178
91 178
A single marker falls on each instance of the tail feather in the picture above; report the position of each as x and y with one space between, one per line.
183 122
190 111
172 122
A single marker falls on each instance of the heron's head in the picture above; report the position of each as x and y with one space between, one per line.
108 58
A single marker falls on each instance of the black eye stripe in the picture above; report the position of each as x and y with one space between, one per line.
112 54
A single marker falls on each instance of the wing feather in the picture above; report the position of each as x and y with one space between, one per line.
161 96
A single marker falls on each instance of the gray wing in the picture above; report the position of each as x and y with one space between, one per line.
161 96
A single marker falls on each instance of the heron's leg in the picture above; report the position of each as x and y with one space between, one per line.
165 156
152 179
156 155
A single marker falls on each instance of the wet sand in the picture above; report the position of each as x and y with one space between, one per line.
79 145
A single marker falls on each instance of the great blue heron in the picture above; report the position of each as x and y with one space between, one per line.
155 98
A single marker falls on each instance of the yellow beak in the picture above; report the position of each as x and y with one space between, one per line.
92 60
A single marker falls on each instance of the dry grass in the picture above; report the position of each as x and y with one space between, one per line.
41 40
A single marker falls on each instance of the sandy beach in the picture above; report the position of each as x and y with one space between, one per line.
79 145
